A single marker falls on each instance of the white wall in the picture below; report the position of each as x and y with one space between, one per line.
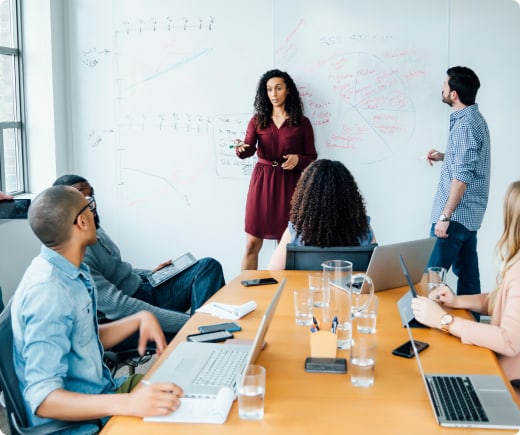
47 127
148 101
52 151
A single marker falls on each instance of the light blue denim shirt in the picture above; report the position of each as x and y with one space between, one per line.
56 340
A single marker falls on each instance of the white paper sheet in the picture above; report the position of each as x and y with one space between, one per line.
200 410
227 311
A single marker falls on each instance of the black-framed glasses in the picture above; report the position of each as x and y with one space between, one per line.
91 205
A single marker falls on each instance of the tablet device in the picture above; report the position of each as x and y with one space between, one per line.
177 266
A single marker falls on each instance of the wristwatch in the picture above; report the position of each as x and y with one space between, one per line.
446 321
444 218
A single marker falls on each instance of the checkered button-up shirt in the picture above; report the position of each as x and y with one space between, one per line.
467 159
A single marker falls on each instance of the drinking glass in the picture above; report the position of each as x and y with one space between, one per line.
251 392
337 279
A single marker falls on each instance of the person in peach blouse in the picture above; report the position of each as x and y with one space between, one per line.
502 334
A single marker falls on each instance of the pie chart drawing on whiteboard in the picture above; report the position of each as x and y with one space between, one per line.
364 111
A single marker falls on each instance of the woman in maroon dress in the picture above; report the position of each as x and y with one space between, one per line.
284 141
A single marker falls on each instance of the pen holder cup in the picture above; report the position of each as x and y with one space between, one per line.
323 344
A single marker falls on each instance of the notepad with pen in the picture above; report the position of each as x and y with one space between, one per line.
194 410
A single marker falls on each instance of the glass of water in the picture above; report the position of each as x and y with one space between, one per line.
303 306
367 318
251 393
319 291
362 360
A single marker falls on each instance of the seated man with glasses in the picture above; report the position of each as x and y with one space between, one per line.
57 343
123 290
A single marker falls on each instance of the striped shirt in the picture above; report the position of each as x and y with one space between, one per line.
467 159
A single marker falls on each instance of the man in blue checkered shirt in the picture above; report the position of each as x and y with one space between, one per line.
463 190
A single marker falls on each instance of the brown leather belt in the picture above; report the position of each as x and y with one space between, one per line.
272 163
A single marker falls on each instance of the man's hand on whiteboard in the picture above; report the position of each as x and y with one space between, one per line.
239 145
434 156
290 162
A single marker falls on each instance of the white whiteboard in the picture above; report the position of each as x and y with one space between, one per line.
161 88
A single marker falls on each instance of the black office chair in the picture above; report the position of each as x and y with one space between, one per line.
15 409
311 257
128 358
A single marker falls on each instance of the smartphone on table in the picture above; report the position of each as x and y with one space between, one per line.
258 281
406 349
210 337
228 326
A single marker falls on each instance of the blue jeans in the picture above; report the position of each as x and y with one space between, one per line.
459 251
186 291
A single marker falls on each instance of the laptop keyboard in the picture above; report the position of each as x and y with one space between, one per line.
222 368
459 400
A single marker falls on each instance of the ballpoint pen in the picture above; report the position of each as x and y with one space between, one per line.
316 325
334 324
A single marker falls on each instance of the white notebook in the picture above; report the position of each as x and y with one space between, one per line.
200 410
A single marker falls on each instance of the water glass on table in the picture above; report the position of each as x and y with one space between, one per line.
436 278
367 318
303 306
362 360
251 393
320 293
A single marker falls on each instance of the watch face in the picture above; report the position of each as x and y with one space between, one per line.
447 319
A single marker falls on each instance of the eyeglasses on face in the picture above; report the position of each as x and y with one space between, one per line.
91 205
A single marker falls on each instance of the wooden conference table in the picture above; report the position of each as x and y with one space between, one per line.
316 403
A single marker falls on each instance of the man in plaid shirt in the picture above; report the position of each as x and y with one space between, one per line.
463 190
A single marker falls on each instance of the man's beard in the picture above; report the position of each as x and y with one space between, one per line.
447 100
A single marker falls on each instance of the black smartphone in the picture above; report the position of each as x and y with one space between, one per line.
259 281
325 365
229 326
406 349
14 208
210 337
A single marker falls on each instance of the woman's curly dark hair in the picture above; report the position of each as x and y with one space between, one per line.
327 207
264 107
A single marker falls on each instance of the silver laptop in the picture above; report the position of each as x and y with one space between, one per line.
476 401
202 369
384 265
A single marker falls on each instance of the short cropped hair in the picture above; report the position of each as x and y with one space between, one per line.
465 82
51 214
69 180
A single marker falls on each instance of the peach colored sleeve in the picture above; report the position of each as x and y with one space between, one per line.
503 334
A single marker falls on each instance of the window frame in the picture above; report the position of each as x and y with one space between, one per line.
17 124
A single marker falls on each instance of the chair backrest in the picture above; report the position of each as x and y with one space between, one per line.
8 379
14 403
311 257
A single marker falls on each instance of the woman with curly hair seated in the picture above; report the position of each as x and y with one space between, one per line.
327 210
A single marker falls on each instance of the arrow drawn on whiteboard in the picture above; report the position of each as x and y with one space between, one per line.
175 65
165 180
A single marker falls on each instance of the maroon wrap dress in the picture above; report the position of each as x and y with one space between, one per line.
271 187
